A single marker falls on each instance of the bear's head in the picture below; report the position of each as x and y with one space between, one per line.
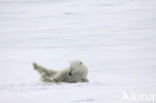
76 67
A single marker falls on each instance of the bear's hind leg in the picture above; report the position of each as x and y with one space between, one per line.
39 68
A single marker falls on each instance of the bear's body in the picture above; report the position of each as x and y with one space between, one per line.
76 72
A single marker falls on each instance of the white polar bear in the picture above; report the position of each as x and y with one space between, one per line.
76 72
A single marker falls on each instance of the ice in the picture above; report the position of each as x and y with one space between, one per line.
116 39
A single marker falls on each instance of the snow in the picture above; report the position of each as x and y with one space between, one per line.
115 38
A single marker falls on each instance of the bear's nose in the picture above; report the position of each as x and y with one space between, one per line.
70 73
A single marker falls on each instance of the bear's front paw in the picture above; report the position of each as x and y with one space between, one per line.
85 80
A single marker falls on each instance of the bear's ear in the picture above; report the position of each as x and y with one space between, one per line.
69 61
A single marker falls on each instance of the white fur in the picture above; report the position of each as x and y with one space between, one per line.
76 72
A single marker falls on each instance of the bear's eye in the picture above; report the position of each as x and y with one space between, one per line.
71 71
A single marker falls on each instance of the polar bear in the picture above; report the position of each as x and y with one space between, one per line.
76 72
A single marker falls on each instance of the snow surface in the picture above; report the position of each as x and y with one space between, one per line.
116 39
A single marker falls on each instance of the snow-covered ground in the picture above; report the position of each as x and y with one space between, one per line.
116 39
